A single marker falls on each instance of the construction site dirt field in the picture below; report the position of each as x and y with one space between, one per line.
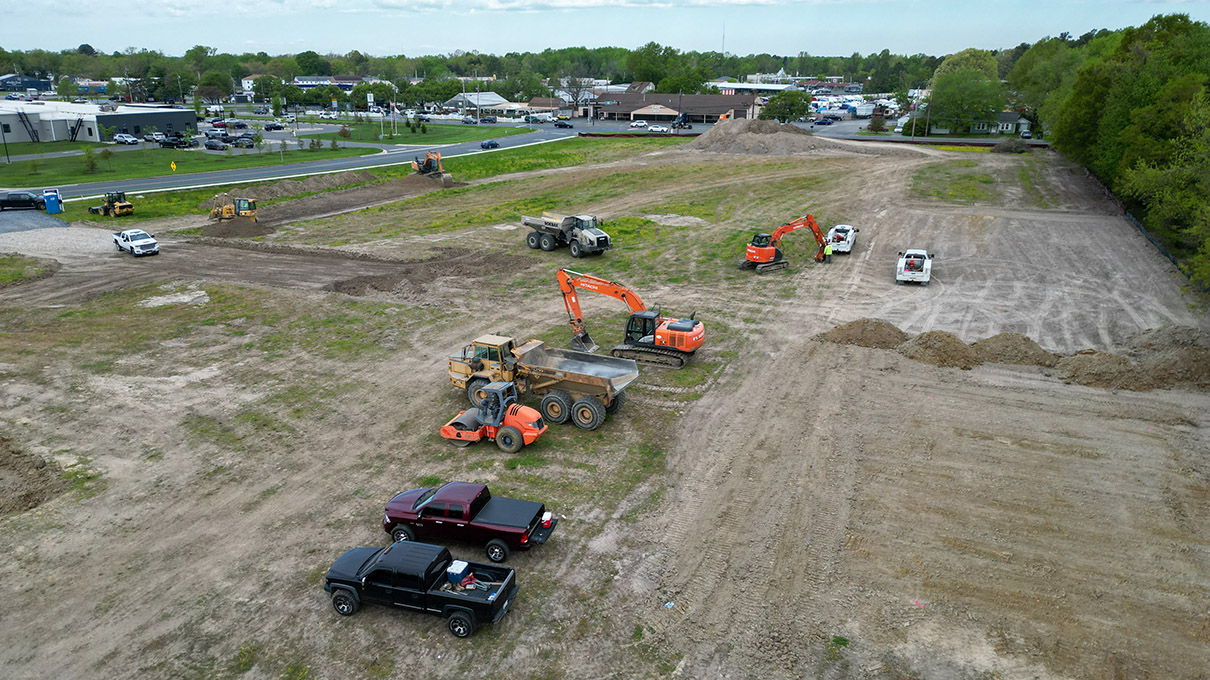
843 483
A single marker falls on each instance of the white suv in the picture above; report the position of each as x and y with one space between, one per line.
123 138
639 124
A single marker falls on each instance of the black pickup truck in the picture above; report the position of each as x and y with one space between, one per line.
424 578
178 142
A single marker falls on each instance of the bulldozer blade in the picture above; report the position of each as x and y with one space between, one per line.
582 343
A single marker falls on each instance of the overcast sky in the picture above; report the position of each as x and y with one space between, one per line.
420 27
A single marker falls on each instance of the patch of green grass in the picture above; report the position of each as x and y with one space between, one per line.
437 133
208 429
15 268
429 481
31 148
379 668
835 646
954 182
525 459
296 670
83 479
245 658
154 163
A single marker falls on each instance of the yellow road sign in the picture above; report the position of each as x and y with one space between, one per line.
174 166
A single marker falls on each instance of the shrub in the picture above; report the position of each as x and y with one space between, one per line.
1011 145
344 131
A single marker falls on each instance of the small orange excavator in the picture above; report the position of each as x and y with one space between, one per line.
650 337
764 252
431 167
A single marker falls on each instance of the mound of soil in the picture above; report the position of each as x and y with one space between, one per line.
940 349
1178 367
874 333
26 481
1102 369
758 137
240 227
1167 338
292 187
1012 348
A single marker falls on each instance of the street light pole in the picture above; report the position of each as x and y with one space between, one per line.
3 137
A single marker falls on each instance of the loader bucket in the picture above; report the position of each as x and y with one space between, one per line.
582 343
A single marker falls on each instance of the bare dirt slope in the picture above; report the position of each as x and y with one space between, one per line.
820 510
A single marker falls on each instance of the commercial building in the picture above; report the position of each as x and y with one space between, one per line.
697 108
39 121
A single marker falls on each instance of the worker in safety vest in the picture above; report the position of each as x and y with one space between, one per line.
827 253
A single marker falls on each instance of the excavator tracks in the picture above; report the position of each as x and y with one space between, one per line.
652 355
772 266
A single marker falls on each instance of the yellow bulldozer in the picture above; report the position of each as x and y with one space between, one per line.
228 208
115 205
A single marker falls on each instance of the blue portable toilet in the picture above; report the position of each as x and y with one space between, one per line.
54 203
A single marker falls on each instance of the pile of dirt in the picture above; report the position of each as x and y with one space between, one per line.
758 137
1102 369
240 227
874 333
1012 348
292 187
1157 340
26 481
940 348
347 200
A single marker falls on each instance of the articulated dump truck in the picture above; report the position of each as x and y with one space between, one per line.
573 385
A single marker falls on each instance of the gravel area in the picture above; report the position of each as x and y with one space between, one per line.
21 220
56 241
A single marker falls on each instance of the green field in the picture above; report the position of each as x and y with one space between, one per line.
30 148
437 133
154 162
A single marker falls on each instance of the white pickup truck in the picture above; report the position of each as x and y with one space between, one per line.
842 237
914 265
136 242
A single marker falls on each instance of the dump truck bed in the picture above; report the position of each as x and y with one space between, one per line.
576 367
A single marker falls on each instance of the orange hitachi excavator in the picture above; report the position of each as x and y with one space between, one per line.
650 337
764 252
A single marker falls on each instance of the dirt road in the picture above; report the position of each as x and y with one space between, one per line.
798 509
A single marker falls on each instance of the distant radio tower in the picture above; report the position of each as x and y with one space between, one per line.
724 46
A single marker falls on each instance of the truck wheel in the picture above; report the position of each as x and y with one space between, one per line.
461 625
473 390
616 404
547 242
403 533
497 550
575 249
508 438
531 240
556 406
588 413
344 603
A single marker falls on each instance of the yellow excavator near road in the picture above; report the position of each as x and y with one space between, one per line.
228 208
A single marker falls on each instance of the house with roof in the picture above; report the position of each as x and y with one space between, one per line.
697 108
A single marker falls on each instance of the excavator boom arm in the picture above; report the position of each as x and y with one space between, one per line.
806 221
569 281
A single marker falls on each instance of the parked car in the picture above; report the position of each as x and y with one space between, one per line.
220 124
638 124
237 125
842 237
422 118
1026 135
464 511
657 128
16 200
243 143
123 138
487 119
469 120
824 121
423 578
270 127
489 144
178 142
260 112
289 119
915 265
154 137
216 119
562 124
215 144
562 116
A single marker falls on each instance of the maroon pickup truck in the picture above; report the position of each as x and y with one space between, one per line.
463 511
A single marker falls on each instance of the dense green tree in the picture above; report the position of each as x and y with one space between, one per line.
964 97
311 64
979 61
786 106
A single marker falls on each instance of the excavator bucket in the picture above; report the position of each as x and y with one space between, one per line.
582 343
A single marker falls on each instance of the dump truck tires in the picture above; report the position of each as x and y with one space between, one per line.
547 242
532 240
575 249
616 404
508 438
588 413
556 407
474 388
